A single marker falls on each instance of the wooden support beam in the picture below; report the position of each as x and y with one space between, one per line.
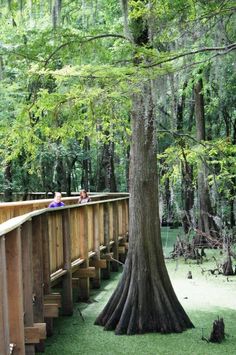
98 263
75 282
91 254
51 310
121 238
96 281
124 244
114 265
67 298
47 282
85 272
106 221
84 286
53 298
102 248
107 256
46 255
76 264
34 334
121 250
39 246
49 329
42 330
57 275
4 322
15 290
37 261
26 237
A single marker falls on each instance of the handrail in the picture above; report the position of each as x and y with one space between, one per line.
38 249
9 210
71 198
15 222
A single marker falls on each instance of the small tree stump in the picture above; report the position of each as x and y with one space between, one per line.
218 331
189 275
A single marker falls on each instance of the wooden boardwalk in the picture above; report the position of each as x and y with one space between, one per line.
40 248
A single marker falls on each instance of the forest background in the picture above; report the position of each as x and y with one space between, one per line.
67 75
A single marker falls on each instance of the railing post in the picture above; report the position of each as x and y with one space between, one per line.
15 290
83 231
106 272
46 254
67 296
37 261
96 281
115 265
46 272
4 323
26 237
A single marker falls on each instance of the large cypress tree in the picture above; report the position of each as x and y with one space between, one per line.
144 300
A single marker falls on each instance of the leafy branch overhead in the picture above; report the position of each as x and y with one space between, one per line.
70 74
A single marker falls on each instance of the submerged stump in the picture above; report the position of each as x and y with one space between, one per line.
218 331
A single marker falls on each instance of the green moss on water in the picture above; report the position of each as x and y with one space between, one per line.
74 336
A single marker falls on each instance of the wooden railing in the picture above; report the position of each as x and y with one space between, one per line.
13 209
64 246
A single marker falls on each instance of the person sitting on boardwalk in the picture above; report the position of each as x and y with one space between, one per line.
57 201
84 197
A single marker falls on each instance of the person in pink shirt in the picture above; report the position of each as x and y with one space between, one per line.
84 197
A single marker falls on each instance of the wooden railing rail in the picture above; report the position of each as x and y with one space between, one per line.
64 246
9 210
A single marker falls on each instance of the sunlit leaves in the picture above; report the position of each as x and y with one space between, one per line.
218 155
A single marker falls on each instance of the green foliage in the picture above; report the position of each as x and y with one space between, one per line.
62 84
218 155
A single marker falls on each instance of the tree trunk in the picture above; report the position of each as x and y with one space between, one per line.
8 196
144 300
188 195
206 222
56 13
106 172
232 201
59 170
186 168
86 165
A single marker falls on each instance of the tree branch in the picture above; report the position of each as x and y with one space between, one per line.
176 134
202 61
226 49
88 39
